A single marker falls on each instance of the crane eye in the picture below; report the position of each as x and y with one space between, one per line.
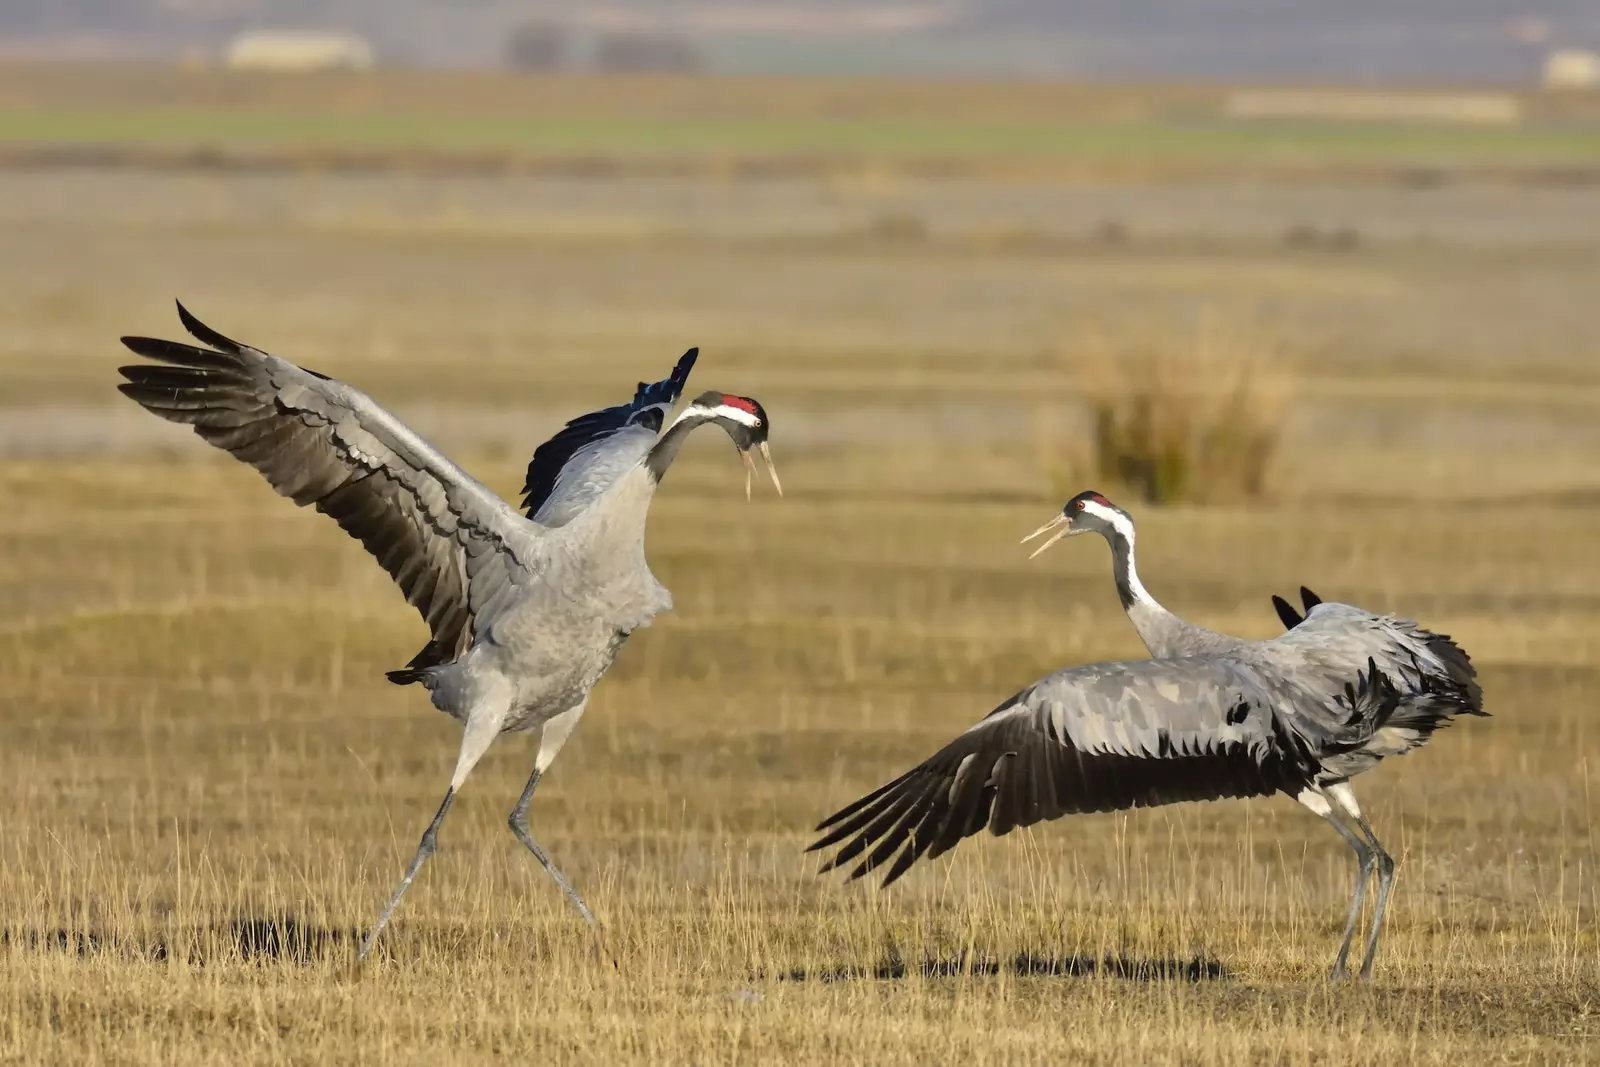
1080 505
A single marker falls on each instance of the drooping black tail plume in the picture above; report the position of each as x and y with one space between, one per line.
1460 684
1372 699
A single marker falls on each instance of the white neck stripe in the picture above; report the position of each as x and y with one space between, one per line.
1123 525
721 411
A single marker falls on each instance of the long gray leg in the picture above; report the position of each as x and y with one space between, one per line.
1316 802
483 725
1346 799
519 826
424 850
552 736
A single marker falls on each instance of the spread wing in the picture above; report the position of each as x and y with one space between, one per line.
578 464
1103 737
456 549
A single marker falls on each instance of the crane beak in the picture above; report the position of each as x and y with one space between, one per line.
750 469
772 469
1065 528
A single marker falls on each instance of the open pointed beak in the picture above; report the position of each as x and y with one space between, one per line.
1061 524
750 469
772 470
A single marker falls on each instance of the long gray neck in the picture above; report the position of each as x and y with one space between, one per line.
1164 634
665 450
609 534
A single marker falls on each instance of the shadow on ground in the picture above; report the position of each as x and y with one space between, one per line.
281 938
1025 965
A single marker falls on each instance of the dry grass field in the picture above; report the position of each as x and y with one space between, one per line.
209 788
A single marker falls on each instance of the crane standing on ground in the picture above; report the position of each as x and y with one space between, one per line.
525 613
1335 633
1212 716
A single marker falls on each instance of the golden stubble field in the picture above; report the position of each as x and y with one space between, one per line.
209 789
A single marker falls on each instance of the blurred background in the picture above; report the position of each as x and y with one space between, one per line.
1217 40
1310 288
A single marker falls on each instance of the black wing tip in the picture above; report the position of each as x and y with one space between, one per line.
222 343
1286 613
1308 598
195 327
833 863
668 389
140 345
830 821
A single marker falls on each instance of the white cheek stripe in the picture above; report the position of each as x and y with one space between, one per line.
739 415
1115 519
721 411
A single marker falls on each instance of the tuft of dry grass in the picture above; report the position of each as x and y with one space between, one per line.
1181 415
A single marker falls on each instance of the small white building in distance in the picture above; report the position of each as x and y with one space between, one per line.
1572 68
299 50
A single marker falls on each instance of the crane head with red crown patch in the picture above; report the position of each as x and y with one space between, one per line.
746 423
1086 512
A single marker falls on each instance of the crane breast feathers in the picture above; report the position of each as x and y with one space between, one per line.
451 544
582 460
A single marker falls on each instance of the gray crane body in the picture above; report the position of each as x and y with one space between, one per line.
541 654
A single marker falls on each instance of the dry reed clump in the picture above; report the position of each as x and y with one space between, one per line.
1187 416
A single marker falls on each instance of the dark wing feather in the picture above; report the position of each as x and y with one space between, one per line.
574 462
455 549
1308 598
1290 617
1105 737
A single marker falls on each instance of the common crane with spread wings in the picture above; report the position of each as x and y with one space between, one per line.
525 611
1211 717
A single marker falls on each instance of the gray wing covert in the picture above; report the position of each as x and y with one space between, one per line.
591 470
456 550
587 455
1103 737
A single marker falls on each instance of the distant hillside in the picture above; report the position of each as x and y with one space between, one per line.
1348 41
